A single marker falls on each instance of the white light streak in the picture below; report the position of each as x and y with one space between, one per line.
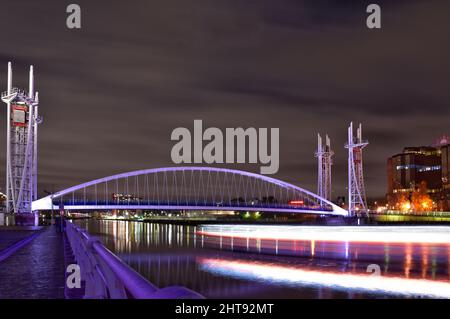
290 275
375 234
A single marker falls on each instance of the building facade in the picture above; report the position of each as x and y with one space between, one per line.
445 194
418 169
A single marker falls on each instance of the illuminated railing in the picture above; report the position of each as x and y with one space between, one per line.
108 277
111 204
18 94
13 91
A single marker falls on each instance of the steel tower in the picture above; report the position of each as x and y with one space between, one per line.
21 145
357 203
324 154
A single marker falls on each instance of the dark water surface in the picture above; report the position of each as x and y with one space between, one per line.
220 267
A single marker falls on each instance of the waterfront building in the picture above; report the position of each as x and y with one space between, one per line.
420 173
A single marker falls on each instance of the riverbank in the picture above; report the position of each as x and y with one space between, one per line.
395 219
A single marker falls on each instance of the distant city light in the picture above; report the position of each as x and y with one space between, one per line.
381 209
406 206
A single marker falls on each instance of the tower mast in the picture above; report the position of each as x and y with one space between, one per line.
21 145
357 202
7 100
324 162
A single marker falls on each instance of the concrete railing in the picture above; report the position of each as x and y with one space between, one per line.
107 277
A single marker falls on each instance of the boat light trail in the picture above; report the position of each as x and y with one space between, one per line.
368 234
289 275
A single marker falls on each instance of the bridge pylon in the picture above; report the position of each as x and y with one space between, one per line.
21 146
357 202
324 161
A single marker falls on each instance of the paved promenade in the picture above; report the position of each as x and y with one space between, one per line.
35 270
10 236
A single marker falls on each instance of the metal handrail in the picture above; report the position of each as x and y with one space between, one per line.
107 277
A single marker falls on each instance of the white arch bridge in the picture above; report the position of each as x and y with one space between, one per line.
189 188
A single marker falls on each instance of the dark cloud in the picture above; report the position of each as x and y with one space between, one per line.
112 92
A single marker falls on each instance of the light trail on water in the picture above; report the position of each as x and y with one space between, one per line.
289 275
367 234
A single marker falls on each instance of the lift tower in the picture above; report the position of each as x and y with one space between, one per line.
357 203
324 154
21 145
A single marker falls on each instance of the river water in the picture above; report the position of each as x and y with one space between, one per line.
221 266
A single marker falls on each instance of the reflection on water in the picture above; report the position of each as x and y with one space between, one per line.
297 276
224 267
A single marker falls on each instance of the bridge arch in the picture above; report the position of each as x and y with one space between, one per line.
189 188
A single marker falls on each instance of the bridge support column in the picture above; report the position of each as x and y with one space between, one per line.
27 219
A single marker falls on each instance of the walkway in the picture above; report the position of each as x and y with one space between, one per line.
35 270
11 234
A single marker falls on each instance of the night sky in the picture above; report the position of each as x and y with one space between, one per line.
112 92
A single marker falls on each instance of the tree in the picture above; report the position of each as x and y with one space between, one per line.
421 200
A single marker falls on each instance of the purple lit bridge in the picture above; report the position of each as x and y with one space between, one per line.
189 188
